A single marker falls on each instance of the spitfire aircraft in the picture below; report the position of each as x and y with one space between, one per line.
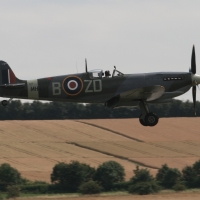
95 86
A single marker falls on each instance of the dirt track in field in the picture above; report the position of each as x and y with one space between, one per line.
34 147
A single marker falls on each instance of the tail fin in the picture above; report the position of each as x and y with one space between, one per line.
6 74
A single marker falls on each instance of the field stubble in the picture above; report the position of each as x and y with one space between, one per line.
34 147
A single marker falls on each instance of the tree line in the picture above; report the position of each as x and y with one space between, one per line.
16 110
76 177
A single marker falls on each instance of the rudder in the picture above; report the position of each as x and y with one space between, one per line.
7 76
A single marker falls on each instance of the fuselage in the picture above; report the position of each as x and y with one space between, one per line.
86 89
113 90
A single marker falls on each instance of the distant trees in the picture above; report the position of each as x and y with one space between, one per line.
69 176
76 176
143 182
168 177
191 175
13 192
109 173
109 176
9 176
63 110
90 187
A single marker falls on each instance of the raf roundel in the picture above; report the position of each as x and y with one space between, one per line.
72 85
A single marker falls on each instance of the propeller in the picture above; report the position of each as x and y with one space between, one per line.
194 98
193 61
193 70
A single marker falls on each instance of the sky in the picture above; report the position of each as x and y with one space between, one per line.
41 38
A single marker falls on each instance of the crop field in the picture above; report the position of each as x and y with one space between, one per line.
34 147
175 141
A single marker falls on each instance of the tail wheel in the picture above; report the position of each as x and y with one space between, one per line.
4 102
151 119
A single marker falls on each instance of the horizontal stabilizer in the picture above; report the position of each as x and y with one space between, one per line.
14 86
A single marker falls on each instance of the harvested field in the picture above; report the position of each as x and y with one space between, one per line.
168 129
34 147
175 141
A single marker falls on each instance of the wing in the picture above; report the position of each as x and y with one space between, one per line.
131 97
146 93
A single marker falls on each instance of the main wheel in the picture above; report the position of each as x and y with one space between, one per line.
142 121
151 119
4 102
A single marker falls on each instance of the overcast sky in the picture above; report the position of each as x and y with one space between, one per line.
40 38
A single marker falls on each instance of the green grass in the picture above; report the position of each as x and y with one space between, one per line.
3 195
61 194
194 190
119 193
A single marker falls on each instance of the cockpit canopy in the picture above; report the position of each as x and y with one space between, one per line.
96 73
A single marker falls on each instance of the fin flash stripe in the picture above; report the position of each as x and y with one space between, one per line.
8 77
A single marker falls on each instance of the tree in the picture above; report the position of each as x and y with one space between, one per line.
172 176
90 187
141 175
162 172
144 188
71 176
9 176
109 173
189 176
13 191
168 177
196 167
143 182
179 186
66 110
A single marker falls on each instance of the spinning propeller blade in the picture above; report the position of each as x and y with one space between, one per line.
193 61
193 70
194 98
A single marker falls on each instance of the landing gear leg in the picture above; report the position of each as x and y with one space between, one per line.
147 118
145 110
5 102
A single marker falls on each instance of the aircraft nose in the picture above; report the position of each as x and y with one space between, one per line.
195 79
